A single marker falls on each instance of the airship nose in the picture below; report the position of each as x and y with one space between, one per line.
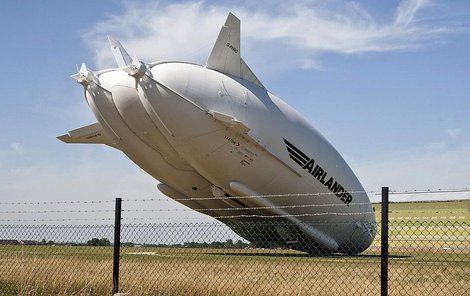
361 238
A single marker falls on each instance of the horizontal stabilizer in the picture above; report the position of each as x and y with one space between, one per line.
90 134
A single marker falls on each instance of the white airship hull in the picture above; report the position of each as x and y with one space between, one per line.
205 132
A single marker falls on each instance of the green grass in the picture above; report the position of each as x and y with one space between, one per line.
428 211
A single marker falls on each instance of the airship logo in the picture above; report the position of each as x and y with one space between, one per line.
318 172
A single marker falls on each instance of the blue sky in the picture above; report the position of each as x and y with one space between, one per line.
388 84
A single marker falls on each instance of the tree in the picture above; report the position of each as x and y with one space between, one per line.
216 245
228 244
98 242
240 245
45 242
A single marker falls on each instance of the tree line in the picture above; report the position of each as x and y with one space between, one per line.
104 242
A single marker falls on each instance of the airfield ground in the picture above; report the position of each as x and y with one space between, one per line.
427 258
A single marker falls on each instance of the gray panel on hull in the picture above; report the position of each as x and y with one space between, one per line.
313 232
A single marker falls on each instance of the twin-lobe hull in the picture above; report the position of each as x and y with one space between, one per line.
197 130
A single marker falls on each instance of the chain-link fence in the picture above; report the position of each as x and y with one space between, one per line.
429 258
429 254
212 259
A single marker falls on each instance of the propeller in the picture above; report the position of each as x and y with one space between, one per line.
84 76
136 69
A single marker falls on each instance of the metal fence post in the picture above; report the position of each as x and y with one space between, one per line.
384 244
117 244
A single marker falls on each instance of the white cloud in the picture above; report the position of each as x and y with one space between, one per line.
158 31
347 29
188 30
17 148
309 63
454 133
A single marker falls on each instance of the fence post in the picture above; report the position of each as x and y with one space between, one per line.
384 244
117 244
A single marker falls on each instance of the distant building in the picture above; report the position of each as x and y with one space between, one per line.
30 242
9 242
20 242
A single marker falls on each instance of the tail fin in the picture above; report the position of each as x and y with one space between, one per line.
226 56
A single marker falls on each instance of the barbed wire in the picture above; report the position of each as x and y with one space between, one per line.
300 195
174 209
426 191
202 198
225 209
203 218
56 202
256 216
180 209
246 208
208 218
55 211
293 215
57 220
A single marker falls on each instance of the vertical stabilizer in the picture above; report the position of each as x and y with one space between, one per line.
225 56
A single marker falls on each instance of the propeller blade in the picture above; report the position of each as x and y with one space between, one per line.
84 75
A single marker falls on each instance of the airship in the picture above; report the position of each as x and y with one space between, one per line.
220 143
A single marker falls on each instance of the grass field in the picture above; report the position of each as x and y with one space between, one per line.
428 211
429 257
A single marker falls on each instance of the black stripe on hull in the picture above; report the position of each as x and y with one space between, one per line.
297 161
293 154
290 145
